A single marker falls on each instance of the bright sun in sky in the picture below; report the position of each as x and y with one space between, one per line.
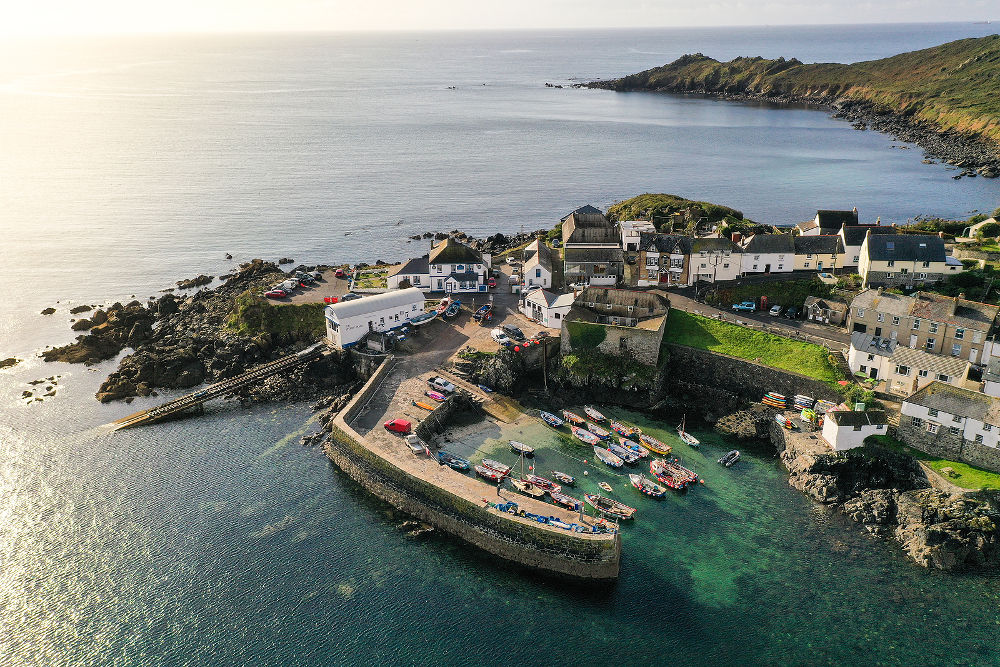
94 17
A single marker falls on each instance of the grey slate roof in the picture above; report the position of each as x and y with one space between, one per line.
665 243
818 245
935 363
993 370
467 276
451 251
771 243
884 302
826 304
906 247
834 220
416 266
844 418
855 234
589 228
538 252
586 209
594 255
714 245
957 401
883 347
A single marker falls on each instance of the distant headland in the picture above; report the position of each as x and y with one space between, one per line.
946 98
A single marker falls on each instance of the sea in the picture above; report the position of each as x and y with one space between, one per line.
129 163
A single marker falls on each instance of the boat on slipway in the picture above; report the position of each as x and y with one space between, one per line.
566 501
601 433
423 319
594 414
607 458
527 488
542 483
496 465
610 506
452 461
489 473
551 419
584 435
573 418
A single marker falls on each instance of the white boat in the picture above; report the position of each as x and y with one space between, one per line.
625 454
685 436
521 448
607 458
594 414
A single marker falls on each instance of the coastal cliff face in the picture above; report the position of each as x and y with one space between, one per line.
943 98
891 496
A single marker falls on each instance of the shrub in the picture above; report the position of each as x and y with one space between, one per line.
988 231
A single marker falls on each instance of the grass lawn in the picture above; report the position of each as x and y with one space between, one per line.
371 279
965 476
770 350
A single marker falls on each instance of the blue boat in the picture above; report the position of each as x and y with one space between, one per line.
453 308
423 319
452 461
551 419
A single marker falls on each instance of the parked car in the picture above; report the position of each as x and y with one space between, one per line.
793 312
500 337
513 332
350 296
289 285
441 384
512 260
339 273
275 294
515 279
316 274
776 310
745 306
578 286
542 334
305 278
492 282
398 426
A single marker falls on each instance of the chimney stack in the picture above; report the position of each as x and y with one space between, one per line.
737 237
940 235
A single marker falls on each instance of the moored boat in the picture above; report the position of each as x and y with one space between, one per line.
521 448
620 428
634 446
585 435
442 305
551 419
527 488
496 465
564 500
626 455
594 414
542 483
452 461
563 478
601 433
671 474
685 436
489 473
647 486
605 486
573 418
730 458
654 445
607 458
610 506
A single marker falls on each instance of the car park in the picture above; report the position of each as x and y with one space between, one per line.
745 306
500 337
398 426
513 332
776 310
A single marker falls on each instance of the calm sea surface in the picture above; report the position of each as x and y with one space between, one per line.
130 163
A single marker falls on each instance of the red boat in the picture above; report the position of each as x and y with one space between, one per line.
490 473
573 418
497 466
621 429
542 483
672 474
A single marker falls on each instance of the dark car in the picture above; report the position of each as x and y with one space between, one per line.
793 312
350 296
513 332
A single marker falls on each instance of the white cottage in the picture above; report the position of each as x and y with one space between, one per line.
537 264
768 253
349 322
455 267
847 430
546 308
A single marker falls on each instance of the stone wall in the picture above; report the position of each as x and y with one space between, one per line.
742 378
948 445
961 252
439 420
882 279
643 345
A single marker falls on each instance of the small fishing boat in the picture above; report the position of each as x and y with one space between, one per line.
521 448
496 465
563 478
672 474
442 306
730 458
452 461
634 446
585 435
605 486
601 433
551 419
542 483
435 395
484 314
626 455
573 418
607 458
527 488
489 473
423 318
610 506
594 414
564 500
453 308
488 390
620 428
654 445
685 436
647 486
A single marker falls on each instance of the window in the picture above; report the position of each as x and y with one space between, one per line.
652 261
780 267
557 315
856 258
881 317
904 271
943 377
978 439
809 256
921 276
756 258
917 421
959 334
807 265
538 273
861 312
677 263
652 274
704 266
957 419
631 308
916 323
932 327
702 253
932 412
754 267
889 275
902 370
929 345
987 427
858 427
891 263
725 266
932 427
977 336
895 320
956 349
922 373
954 430
926 265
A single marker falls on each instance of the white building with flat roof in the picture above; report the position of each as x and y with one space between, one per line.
847 430
349 322
631 229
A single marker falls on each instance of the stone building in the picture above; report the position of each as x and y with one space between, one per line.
824 311
952 423
818 253
664 259
903 370
904 260
827 222
592 251
950 326
622 323
537 265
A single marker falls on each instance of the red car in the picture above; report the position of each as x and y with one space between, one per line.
339 273
492 282
276 294
398 426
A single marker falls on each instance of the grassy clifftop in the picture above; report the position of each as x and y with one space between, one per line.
952 87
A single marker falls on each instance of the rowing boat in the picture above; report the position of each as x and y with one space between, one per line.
605 486
564 500
542 483
452 461
551 419
593 413
607 458
610 506
601 433
562 477
620 428
634 446
489 473
527 488
573 418
654 445
626 455
496 465
521 448
647 486
585 435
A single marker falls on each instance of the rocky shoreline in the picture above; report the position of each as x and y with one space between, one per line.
973 157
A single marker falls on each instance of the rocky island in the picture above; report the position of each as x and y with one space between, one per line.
944 99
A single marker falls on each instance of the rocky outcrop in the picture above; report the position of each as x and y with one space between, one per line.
753 423
107 339
194 282
948 531
48 311
9 361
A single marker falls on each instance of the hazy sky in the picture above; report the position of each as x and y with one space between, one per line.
42 17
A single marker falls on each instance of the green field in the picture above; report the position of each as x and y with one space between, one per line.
963 475
374 279
764 348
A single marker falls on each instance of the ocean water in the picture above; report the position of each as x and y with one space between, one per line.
130 163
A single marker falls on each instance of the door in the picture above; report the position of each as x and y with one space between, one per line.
913 341
873 373
878 332
819 267
973 354
767 268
